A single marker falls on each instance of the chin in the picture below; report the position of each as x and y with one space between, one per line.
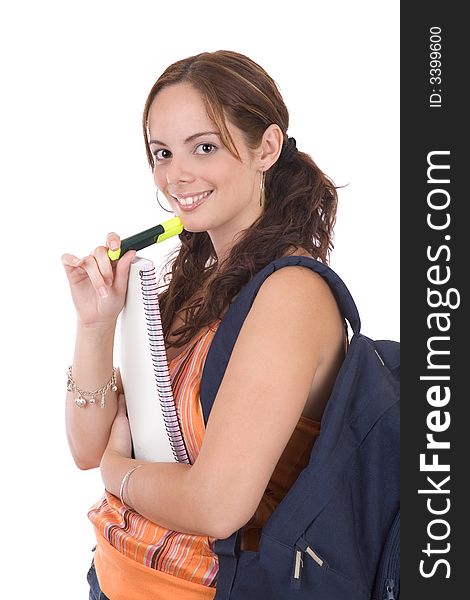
201 224
190 226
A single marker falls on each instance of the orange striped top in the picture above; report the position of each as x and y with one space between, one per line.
136 558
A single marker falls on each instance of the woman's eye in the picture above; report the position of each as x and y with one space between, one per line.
204 148
158 156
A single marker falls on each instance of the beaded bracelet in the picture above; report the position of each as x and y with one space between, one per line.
81 400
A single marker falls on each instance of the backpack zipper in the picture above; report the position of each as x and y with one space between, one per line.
386 587
299 563
379 357
301 547
389 585
314 555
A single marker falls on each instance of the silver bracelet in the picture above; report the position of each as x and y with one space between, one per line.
81 400
125 479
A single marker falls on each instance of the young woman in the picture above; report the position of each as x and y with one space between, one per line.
215 130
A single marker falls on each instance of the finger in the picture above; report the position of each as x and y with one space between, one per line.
96 277
104 264
122 270
113 240
69 260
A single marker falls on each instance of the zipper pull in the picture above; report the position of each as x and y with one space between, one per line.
302 546
314 555
389 585
297 569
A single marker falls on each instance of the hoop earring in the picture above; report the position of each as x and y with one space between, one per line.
161 205
261 187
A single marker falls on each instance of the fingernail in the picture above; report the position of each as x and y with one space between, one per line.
109 282
114 245
103 292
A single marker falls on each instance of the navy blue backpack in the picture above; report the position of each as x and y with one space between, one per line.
335 535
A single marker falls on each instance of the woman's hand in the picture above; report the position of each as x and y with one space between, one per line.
98 285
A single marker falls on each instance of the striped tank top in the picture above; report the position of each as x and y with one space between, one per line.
136 558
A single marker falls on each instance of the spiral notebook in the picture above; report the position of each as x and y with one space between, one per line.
153 419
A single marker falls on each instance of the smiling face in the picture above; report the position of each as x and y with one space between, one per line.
206 186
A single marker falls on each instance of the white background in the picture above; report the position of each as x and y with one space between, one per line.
75 76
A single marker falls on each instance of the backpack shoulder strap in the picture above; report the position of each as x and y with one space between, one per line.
229 328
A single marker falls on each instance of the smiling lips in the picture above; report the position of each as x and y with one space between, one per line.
190 201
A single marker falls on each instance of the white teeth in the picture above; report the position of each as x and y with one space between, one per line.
191 199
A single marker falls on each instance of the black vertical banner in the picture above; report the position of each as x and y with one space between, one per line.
434 292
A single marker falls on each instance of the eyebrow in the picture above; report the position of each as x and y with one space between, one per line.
189 139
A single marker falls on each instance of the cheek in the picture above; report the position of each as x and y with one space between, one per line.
158 178
236 181
229 176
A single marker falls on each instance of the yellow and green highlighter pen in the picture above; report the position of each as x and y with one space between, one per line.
148 237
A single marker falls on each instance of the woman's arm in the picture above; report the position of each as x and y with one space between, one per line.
98 290
88 427
288 333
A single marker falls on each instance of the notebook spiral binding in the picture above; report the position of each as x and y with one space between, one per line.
160 364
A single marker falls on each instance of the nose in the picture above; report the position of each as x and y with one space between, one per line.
178 170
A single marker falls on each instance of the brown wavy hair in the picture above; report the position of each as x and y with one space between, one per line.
300 200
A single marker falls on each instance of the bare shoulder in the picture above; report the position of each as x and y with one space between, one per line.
298 282
297 295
